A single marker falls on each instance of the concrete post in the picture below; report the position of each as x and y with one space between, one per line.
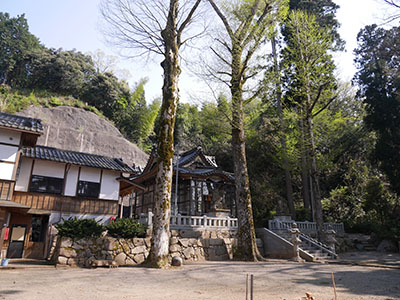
330 238
296 241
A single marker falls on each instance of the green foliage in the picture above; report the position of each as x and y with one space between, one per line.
106 93
325 14
378 62
126 228
377 201
15 100
208 127
308 64
16 42
79 228
382 209
54 101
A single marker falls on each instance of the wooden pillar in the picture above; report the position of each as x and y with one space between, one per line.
135 206
121 209
196 195
131 204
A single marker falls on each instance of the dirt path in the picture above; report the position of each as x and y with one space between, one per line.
210 280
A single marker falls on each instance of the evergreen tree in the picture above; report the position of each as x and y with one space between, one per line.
378 62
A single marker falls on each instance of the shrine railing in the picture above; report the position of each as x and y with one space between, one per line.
306 227
185 222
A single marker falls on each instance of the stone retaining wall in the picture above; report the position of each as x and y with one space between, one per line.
190 245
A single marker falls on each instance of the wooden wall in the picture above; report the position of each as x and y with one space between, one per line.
6 190
64 204
3 215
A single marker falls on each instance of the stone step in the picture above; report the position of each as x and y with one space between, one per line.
322 257
313 250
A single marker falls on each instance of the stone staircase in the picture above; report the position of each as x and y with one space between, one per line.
316 250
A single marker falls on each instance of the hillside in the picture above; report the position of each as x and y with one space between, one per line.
75 129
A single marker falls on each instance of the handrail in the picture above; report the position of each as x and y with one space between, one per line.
318 244
304 237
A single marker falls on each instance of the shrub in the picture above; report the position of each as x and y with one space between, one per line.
126 228
78 229
54 101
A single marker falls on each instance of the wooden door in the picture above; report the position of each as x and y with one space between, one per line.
17 241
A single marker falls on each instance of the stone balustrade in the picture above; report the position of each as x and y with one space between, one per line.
305 227
180 222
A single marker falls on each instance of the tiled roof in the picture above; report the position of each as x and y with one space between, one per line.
77 158
190 155
206 172
21 123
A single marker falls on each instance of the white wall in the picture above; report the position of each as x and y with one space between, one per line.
90 174
71 181
8 153
10 136
48 168
24 174
6 171
109 185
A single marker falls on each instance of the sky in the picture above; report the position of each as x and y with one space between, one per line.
75 24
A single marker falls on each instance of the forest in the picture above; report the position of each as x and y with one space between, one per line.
316 148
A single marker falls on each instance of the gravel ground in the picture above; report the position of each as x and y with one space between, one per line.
273 280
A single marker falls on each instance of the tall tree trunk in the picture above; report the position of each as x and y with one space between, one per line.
304 168
315 179
288 178
247 246
165 150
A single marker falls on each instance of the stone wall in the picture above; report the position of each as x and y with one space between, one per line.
190 245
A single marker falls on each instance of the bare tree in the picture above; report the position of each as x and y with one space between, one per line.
246 25
108 63
156 27
395 3
393 14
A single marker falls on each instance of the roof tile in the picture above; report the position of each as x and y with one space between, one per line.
21 123
77 158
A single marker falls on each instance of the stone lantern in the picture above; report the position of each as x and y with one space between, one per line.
296 241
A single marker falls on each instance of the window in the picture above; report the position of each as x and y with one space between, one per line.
43 184
88 189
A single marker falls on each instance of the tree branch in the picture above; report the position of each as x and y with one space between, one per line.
243 28
220 57
223 19
250 36
320 89
223 43
325 106
392 3
188 18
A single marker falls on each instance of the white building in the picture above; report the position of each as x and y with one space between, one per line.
40 186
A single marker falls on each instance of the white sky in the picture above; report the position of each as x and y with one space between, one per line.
354 15
73 24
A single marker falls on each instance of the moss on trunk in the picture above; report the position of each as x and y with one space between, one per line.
165 150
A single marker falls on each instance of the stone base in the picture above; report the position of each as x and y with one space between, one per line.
220 213
297 259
